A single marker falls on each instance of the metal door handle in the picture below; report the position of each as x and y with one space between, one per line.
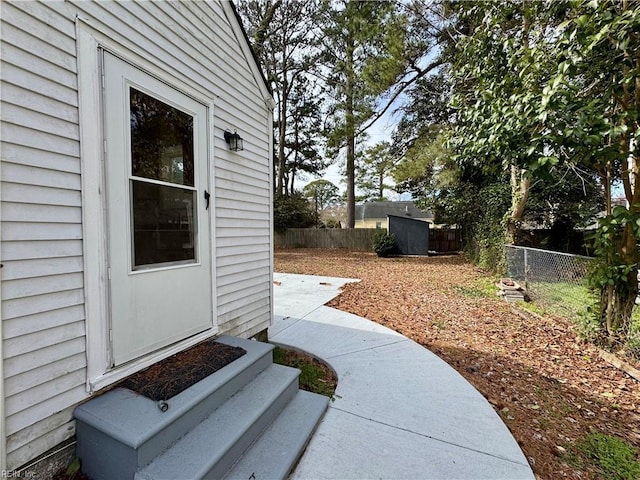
207 196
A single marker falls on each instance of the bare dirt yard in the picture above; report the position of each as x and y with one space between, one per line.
551 389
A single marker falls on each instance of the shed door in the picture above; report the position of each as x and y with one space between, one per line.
157 179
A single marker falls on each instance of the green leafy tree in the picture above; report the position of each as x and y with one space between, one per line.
499 73
426 112
425 168
292 211
564 201
303 144
384 243
374 170
563 197
321 195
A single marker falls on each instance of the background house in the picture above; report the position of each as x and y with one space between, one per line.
114 258
374 214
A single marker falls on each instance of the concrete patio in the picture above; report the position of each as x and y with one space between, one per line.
399 410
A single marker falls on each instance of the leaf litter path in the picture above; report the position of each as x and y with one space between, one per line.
550 388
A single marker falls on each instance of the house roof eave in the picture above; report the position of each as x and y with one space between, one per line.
245 44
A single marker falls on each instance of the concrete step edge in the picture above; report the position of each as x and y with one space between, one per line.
212 447
279 448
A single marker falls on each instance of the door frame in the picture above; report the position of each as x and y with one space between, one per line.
90 43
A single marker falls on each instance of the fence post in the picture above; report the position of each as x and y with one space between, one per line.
526 269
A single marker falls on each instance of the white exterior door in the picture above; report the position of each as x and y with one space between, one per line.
158 212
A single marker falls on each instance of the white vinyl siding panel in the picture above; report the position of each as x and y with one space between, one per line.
18 158
33 194
241 198
14 231
34 120
29 287
21 307
29 398
35 102
16 212
253 256
46 23
48 249
25 269
24 50
23 73
40 376
43 292
41 411
37 137
47 176
32 441
29 324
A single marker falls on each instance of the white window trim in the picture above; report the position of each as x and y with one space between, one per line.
3 433
99 372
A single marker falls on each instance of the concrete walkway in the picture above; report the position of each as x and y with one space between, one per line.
399 411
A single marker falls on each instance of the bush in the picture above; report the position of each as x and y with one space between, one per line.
331 223
292 211
384 244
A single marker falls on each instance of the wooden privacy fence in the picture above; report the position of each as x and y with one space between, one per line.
445 239
440 239
350 238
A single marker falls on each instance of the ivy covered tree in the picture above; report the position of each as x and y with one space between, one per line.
591 110
547 89
499 72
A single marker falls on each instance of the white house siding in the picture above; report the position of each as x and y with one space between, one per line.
43 314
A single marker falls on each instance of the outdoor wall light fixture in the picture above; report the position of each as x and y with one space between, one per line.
234 140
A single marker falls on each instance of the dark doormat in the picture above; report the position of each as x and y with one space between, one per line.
174 374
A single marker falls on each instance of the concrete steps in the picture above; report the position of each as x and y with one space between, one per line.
248 416
281 445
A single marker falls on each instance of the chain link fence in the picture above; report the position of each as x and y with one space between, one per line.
554 280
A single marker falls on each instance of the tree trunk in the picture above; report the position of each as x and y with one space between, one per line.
617 301
520 185
350 136
520 182
282 132
616 306
293 169
607 189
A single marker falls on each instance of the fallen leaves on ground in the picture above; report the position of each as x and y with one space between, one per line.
550 388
